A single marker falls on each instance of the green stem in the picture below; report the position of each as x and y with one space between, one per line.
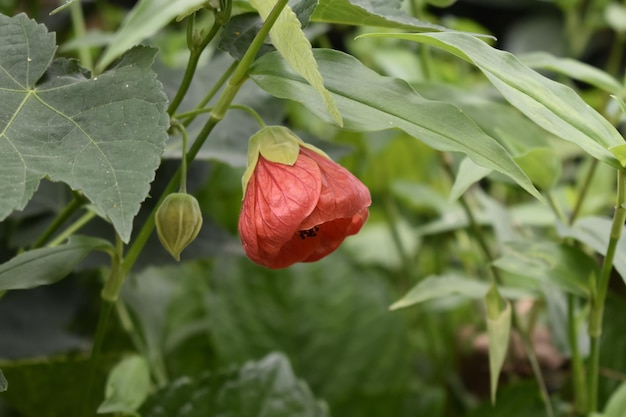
584 188
60 219
554 206
80 222
601 289
243 107
213 91
496 279
78 21
94 358
157 365
183 163
241 72
235 82
195 50
578 371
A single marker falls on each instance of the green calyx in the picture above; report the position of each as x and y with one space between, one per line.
178 221
276 144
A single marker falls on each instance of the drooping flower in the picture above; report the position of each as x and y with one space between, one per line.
298 204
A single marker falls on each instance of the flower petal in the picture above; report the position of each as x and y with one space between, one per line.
342 194
284 196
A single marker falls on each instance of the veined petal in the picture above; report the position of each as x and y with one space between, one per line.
342 194
284 195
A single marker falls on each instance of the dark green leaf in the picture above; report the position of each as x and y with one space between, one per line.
51 387
47 265
551 105
565 266
386 13
238 34
519 399
266 388
240 30
370 102
103 136
332 320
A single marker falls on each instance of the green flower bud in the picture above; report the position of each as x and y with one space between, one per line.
178 222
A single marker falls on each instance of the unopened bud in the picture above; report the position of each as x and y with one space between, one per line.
178 222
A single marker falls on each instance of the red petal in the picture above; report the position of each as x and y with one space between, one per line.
342 194
284 195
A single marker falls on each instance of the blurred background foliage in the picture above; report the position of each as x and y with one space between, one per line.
329 323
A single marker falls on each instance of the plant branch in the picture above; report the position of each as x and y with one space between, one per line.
77 201
233 86
584 188
496 279
78 21
601 288
196 47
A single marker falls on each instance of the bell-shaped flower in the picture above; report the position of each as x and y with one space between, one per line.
298 204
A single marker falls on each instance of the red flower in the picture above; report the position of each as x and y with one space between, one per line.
300 212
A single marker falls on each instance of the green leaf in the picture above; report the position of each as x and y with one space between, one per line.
128 385
385 13
542 165
595 233
266 388
574 69
295 48
562 265
51 387
103 136
370 102
238 33
469 173
617 403
440 286
499 330
146 19
615 15
551 105
45 266
4 385
330 317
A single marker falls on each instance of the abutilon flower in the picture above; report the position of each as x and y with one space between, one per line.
298 204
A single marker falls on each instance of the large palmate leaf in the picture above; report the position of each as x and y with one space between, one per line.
551 105
371 102
386 13
265 388
103 136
